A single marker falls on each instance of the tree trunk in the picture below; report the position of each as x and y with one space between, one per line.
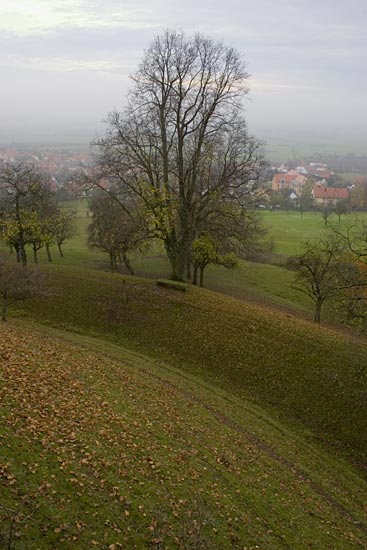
16 248
195 277
4 309
317 316
112 261
22 254
188 270
35 257
48 252
178 252
60 250
202 276
127 264
177 262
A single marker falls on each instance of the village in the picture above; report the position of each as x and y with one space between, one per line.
283 185
312 185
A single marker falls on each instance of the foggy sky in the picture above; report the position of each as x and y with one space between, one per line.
66 63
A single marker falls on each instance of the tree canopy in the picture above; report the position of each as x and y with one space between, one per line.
181 147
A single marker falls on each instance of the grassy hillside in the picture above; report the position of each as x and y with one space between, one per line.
312 377
250 280
104 448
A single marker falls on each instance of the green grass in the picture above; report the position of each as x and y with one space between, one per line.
298 371
188 417
288 231
251 280
136 455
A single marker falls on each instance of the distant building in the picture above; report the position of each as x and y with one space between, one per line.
323 195
292 180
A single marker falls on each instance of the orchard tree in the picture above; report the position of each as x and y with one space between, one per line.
24 191
205 251
305 197
64 223
114 231
17 284
316 270
358 196
326 211
341 209
182 144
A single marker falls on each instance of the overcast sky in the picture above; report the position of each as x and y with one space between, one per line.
66 63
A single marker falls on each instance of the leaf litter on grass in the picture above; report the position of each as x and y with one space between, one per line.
94 454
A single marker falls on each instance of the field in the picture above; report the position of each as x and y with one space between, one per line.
134 416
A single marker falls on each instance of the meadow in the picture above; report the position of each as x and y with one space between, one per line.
256 281
190 420
137 454
216 418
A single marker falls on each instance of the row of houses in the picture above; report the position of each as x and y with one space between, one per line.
316 174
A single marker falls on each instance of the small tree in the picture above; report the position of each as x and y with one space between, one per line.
317 270
326 212
114 231
206 251
341 209
64 227
18 283
354 236
23 191
305 197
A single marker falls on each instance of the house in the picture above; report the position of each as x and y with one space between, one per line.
325 196
292 180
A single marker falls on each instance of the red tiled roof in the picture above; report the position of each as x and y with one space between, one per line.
322 192
286 177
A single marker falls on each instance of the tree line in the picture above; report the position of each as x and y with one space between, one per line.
30 218
29 213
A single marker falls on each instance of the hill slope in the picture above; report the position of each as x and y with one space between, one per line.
312 377
115 451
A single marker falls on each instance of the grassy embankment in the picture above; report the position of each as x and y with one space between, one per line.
295 369
251 280
259 417
105 448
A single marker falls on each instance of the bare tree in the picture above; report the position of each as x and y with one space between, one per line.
113 231
354 235
341 209
64 227
182 142
317 269
326 211
17 284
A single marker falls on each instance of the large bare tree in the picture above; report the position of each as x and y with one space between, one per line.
182 145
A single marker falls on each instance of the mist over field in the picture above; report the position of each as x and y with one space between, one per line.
65 65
